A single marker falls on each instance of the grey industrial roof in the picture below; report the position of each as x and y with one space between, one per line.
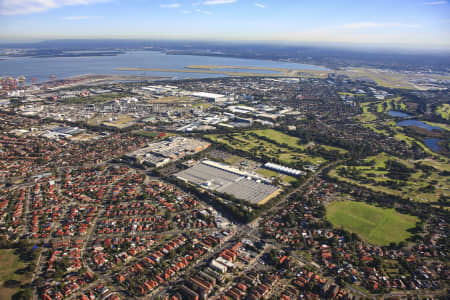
226 182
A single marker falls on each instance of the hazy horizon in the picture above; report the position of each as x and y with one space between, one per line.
404 25
369 48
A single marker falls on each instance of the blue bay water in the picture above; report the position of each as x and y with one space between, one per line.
63 67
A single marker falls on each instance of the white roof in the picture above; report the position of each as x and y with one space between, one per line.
207 95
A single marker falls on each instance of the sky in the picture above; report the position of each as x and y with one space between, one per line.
411 24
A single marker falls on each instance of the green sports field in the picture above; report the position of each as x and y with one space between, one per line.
9 264
379 226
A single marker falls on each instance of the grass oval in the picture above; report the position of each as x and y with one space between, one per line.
376 225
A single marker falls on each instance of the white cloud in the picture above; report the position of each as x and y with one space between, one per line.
435 2
368 25
21 7
204 12
216 2
171 5
260 5
186 12
76 18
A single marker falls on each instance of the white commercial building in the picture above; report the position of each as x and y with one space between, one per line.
283 169
210 96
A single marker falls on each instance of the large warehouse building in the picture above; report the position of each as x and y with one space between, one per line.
160 153
228 180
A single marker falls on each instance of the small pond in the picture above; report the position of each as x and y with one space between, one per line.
418 124
399 114
432 144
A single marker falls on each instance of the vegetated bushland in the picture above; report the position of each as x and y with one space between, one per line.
94 98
